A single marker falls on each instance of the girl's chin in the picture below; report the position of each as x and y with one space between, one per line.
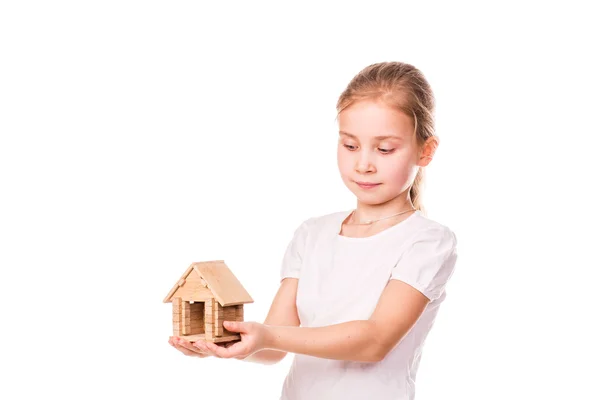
370 198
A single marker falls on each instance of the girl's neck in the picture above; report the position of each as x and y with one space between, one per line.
370 212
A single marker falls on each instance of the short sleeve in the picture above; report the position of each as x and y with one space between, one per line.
294 253
428 262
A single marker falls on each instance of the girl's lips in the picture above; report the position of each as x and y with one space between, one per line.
367 185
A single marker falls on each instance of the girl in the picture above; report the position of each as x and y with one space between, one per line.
360 289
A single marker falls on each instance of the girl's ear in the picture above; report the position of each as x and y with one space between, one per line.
428 151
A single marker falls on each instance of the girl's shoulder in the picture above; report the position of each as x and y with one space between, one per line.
430 223
427 226
321 223
326 220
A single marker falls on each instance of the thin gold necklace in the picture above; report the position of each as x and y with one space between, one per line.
368 222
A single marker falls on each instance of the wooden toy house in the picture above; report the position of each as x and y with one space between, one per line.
207 294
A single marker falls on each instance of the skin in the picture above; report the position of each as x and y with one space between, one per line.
392 163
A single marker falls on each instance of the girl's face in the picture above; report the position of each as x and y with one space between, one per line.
377 146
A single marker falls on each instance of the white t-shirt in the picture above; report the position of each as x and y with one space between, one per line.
341 279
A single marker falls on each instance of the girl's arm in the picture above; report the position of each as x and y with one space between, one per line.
282 313
398 309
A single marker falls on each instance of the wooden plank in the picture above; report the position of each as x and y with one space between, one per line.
176 316
218 324
239 315
209 307
193 290
224 285
201 336
194 324
229 313
171 293
197 308
176 305
185 318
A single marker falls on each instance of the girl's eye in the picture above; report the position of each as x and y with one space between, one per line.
383 151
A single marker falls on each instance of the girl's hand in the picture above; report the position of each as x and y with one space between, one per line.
254 337
188 348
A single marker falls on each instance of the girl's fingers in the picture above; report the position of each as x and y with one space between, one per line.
188 352
228 351
229 344
186 348
187 345
203 346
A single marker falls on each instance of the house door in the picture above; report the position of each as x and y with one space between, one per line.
196 318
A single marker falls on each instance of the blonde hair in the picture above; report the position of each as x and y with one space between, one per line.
403 87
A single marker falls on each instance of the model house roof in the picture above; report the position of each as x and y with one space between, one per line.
205 280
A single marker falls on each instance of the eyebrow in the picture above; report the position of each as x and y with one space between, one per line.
376 137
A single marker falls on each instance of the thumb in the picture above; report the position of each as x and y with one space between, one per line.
235 326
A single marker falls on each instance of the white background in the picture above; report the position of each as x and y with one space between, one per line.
140 136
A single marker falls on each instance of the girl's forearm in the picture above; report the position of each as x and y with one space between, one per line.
353 341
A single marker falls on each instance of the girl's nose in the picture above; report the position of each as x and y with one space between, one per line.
364 163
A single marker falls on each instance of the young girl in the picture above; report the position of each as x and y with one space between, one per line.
360 289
